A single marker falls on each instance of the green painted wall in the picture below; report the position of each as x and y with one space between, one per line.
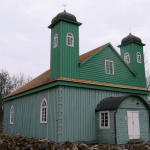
27 115
94 69
55 54
78 113
106 135
71 114
132 48
65 59
121 122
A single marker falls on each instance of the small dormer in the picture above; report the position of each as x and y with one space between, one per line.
132 53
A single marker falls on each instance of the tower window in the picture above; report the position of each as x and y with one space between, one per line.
55 41
43 111
127 58
70 39
109 67
138 54
12 115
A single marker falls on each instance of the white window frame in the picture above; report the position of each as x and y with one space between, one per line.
138 53
109 67
125 59
12 115
55 41
108 127
41 121
72 45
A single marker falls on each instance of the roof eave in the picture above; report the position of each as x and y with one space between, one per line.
51 25
142 44
80 83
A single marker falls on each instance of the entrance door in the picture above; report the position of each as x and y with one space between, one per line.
133 125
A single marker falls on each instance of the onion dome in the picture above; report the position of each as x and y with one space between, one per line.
64 15
129 38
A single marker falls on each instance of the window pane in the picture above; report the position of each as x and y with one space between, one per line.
102 115
69 34
127 57
71 41
106 124
68 40
138 57
44 103
102 123
44 111
111 68
107 67
12 114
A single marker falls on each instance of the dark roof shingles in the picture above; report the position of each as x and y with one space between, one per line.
112 103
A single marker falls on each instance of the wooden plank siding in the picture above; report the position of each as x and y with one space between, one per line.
55 54
106 135
65 59
27 115
71 114
132 48
122 121
78 113
94 69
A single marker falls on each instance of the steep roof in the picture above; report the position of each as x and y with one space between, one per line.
90 53
45 78
38 81
112 103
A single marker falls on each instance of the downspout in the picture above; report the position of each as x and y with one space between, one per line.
115 126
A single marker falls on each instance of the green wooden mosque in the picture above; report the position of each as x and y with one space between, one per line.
100 96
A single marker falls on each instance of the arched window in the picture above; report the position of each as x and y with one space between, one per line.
138 54
55 41
12 115
70 39
43 111
127 58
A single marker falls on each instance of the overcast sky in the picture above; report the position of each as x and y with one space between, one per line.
25 38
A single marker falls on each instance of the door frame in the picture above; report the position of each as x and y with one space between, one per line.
133 128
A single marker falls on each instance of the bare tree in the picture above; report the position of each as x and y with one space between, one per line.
147 69
147 73
9 84
20 80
